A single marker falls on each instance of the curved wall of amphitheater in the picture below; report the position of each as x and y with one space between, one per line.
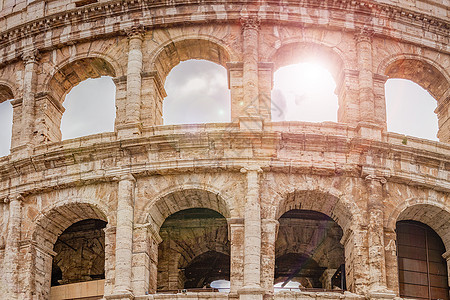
248 173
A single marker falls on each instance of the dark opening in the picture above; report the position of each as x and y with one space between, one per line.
206 268
308 251
80 253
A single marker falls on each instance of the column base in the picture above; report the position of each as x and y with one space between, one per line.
251 123
369 131
118 295
129 130
251 293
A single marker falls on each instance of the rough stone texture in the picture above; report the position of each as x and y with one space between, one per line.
250 171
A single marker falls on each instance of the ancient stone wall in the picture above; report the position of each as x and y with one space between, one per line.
250 172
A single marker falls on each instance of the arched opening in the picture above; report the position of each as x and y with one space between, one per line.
197 92
422 269
75 268
6 119
80 253
305 83
308 252
89 108
427 75
194 251
304 92
410 109
84 91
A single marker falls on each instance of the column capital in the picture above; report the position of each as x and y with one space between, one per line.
251 168
135 31
380 179
126 177
250 23
364 35
13 198
30 56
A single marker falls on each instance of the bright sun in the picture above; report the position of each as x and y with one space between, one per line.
304 92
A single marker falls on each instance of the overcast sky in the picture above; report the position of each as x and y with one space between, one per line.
198 93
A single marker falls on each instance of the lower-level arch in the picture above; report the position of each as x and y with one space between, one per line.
59 234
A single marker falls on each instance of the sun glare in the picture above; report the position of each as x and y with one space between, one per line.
304 92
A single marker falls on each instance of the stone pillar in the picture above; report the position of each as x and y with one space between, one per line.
443 114
375 231
446 256
265 74
252 233
236 237
348 97
235 71
356 258
110 258
124 238
390 247
379 82
250 81
153 94
325 279
11 258
134 84
48 119
269 236
145 260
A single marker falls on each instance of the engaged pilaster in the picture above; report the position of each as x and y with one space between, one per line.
124 238
367 126
377 261
252 233
132 126
30 59
250 118
11 259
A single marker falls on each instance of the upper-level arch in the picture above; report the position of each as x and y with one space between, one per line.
6 91
295 50
422 70
178 49
75 70
430 75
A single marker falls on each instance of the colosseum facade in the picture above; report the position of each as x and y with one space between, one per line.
152 211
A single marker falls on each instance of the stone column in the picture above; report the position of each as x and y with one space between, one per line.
252 234
236 237
11 259
134 83
326 277
375 231
124 238
379 82
30 60
364 56
250 32
265 73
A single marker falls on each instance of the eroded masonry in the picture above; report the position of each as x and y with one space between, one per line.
151 211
